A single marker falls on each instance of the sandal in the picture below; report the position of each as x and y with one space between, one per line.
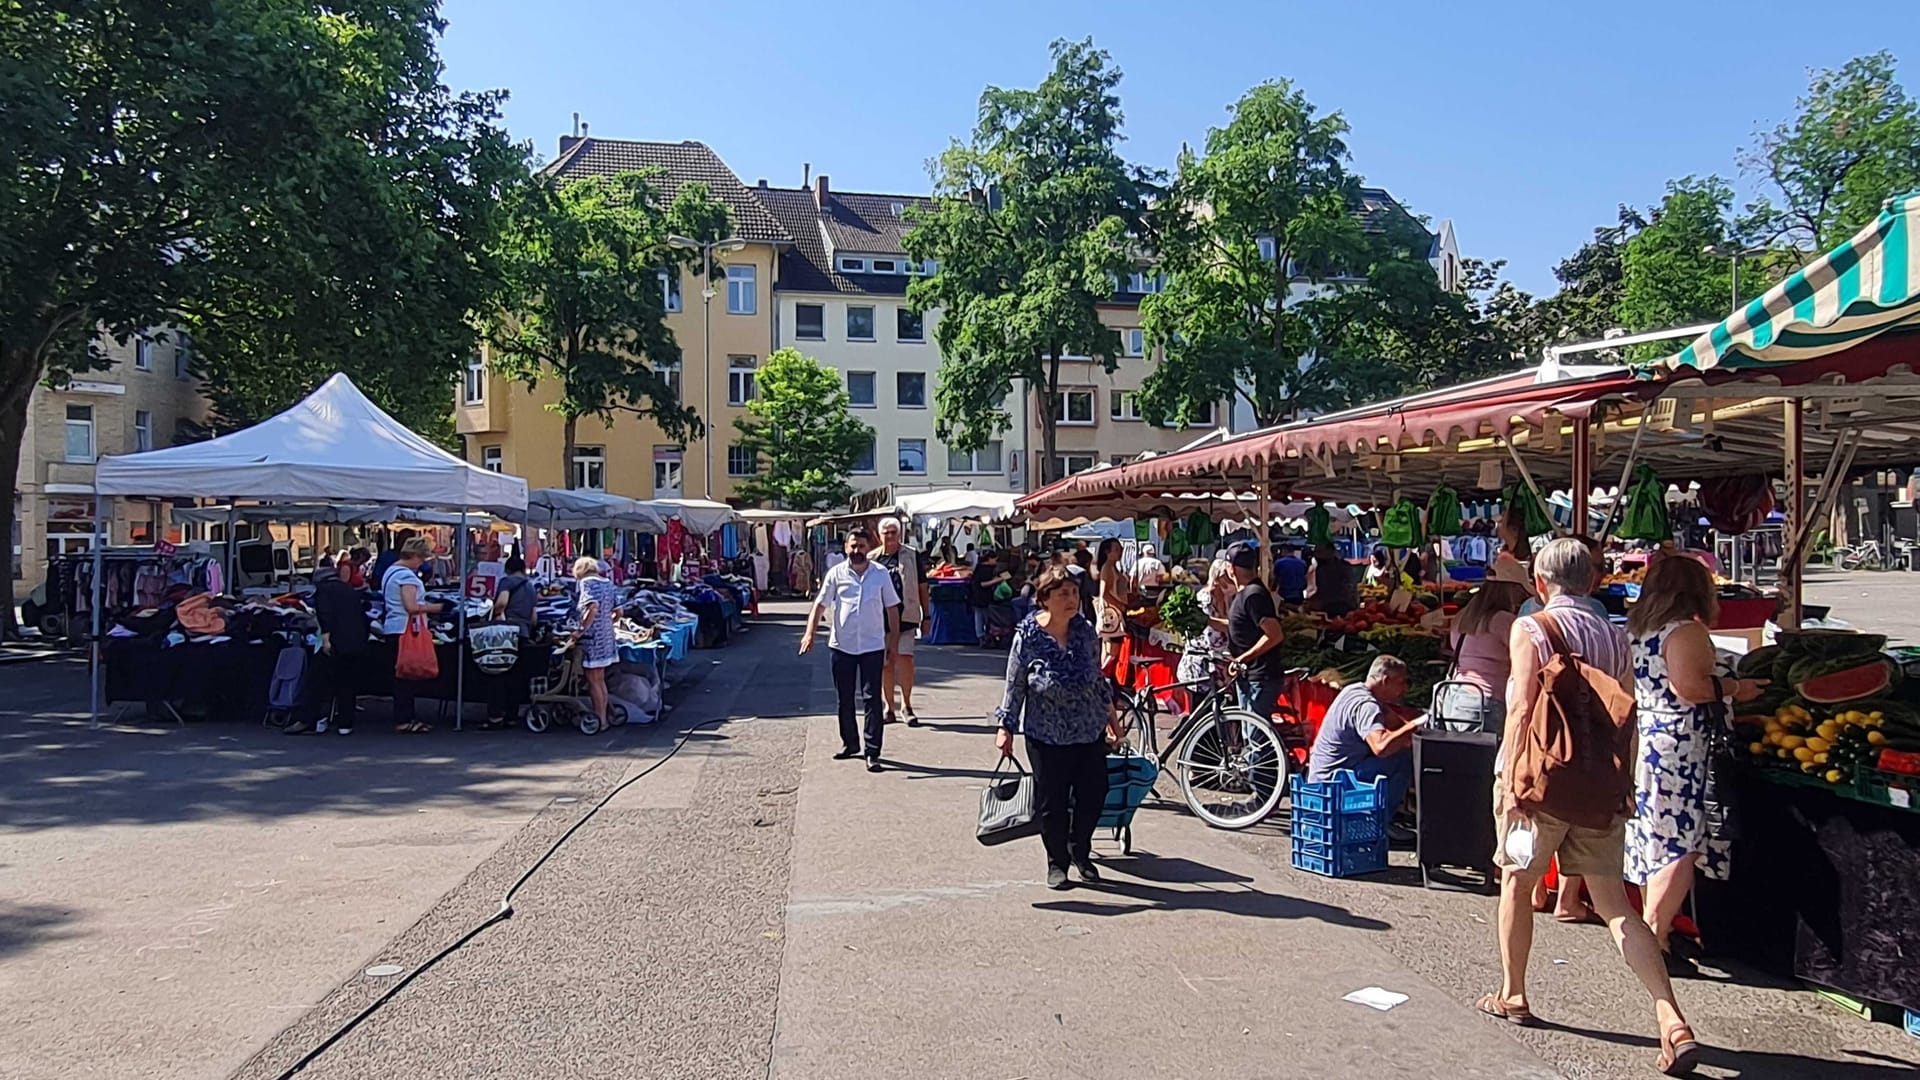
1678 1050
912 719
415 728
1501 1009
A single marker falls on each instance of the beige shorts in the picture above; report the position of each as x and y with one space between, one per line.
1583 852
903 645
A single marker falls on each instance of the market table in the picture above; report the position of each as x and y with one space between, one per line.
1824 887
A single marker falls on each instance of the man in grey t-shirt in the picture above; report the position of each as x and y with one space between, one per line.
1358 734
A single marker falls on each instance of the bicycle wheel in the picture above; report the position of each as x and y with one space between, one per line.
1137 713
1232 768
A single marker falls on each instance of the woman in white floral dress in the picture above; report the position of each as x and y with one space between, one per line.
1675 691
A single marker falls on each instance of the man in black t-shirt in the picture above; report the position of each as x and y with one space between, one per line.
1253 634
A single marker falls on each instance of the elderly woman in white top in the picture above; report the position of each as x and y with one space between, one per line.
1214 597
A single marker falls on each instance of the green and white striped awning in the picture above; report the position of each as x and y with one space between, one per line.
1864 287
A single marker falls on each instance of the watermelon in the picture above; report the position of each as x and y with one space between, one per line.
1758 664
1862 680
1830 644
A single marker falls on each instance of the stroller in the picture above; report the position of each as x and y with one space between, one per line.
1000 623
560 696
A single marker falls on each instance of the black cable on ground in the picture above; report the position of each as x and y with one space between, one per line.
506 904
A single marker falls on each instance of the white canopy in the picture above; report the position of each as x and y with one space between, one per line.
322 513
700 516
334 445
957 503
564 508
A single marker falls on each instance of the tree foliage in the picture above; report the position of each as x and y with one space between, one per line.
1270 262
1667 277
583 304
1854 141
1033 221
801 433
289 181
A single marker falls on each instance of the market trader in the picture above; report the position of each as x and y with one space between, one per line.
1290 575
1358 734
1253 634
863 621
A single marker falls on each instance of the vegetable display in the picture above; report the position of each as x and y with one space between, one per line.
1181 610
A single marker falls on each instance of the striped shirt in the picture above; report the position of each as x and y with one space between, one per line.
1599 642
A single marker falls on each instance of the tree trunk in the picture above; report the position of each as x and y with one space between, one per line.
21 373
566 450
1049 429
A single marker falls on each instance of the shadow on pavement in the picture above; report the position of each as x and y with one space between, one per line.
1250 903
960 729
1172 870
1757 1064
24 926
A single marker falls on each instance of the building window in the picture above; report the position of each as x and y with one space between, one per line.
476 386
742 296
910 389
1141 281
80 434
1068 464
984 460
669 372
1135 341
739 379
853 266
142 431
742 461
909 326
182 357
886 266
490 459
913 456
670 287
860 389
143 354
590 468
1125 405
859 323
666 472
1073 407
865 462
810 322
1266 247
1202 416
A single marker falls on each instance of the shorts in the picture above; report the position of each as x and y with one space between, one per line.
903 646
593 663
1583 852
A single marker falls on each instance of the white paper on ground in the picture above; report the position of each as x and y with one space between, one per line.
1373 997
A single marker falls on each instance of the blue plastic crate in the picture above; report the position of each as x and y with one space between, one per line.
1338 828
1344 794
1913 1023
1340 860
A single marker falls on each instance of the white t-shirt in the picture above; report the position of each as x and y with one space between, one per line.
1149 572
857 606
398 576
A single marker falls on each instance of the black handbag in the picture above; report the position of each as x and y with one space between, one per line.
1720 794
1007 806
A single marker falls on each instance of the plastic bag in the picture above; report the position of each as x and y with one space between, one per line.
1645 516
1523 506
1517 842
1400 525
415 660
1319 525
1443 512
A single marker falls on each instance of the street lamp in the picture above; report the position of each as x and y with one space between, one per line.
1728 251
706 250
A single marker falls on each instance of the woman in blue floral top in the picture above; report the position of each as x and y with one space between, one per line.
1057 695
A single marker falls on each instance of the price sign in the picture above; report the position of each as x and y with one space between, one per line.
163 547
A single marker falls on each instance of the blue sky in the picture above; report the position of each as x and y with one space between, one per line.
1526 123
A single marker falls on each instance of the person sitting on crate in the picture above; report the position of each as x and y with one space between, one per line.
1358 734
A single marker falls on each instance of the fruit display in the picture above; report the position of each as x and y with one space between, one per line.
1376 613
1827 743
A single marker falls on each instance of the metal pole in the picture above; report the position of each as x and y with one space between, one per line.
1582 473
232 544
1736 283
460 645
1793 559
93 646
706 371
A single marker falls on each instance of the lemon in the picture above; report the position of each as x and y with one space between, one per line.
1876 715
1827 731
1833 776
1757 748
1803 754
1821 757
1793 742
1809 767
1775 725
1783 752
1817 744
1876 738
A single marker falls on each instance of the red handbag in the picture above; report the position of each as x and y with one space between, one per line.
416 660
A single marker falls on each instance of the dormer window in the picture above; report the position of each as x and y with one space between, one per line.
853 266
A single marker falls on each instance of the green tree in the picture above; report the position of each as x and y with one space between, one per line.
1033 222
1853 142
1667 277
583 302
1591 281
214 166
801 434
1270 206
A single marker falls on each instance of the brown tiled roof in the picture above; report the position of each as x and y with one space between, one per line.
859 223
683 163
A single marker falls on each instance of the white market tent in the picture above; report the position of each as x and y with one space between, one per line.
335 445
700 516
956 503
565 508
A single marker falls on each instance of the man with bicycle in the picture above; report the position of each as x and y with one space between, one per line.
1253 635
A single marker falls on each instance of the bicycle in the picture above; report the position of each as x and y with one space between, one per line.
1864 555
1232 765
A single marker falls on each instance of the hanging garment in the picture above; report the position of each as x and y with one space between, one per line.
1645 515
1200 531
1443 512
1142 530
783 534
1736 504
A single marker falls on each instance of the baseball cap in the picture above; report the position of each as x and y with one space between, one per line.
1244 555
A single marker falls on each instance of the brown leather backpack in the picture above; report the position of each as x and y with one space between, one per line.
1574 761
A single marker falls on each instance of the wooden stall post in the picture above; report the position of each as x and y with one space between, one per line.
1793 557
1264 533
1582 473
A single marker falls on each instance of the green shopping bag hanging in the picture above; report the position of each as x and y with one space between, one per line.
1400 525
1645 515
1533 515
1443 512
1319 525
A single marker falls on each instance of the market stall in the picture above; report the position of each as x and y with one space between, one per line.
333 446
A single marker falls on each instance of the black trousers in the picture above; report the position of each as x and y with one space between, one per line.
404 692
862 669
1070 790
340 674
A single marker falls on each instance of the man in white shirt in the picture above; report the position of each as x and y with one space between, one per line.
863 622
1149 571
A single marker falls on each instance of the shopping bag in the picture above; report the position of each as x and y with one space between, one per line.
416 660
1007 806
